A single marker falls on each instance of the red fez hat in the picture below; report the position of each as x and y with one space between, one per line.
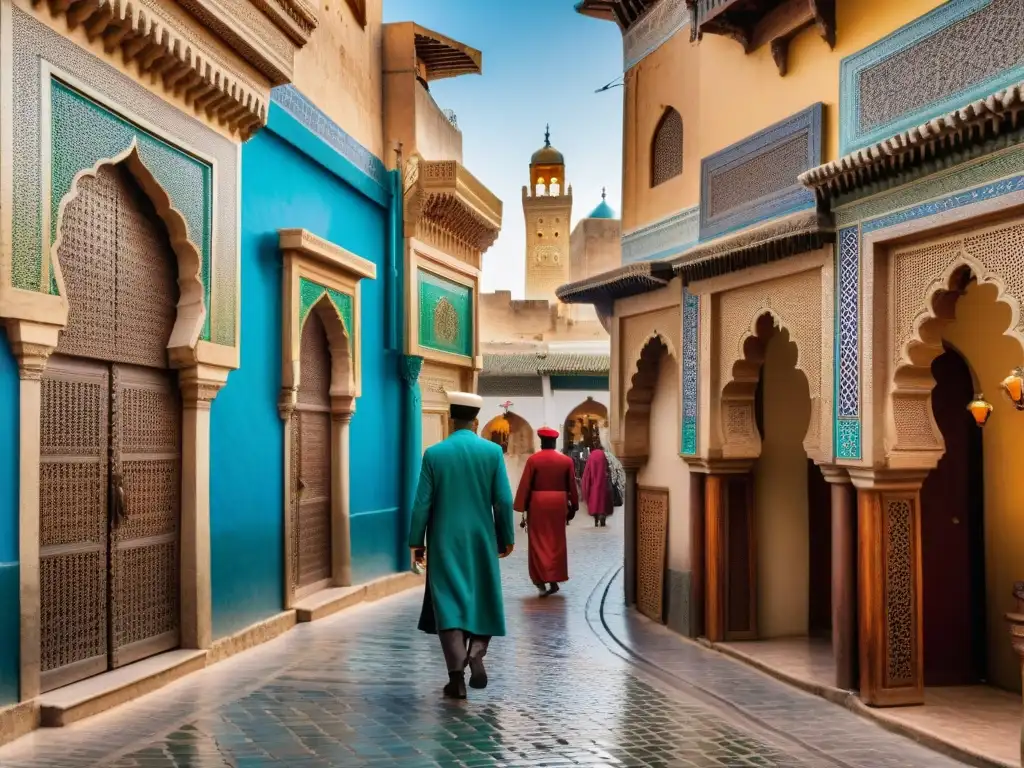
548 432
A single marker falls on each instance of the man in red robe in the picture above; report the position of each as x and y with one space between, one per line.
547 494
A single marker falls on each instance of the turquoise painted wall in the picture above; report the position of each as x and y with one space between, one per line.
9 603
282 186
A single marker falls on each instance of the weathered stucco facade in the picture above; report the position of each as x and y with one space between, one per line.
817 267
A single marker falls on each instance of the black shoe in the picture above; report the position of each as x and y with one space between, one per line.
604 523
456 688
552 589
597 523
477 673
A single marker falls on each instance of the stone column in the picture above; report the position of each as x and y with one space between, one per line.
1016 621
632 466
412 449
844 576
199 386
341 530
889 605
32 344
730 563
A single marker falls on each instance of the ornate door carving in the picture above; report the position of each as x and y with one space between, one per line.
652 551
311 464
145 463
73 530
110 469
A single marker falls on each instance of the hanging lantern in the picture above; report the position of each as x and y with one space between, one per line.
1013 386
980 409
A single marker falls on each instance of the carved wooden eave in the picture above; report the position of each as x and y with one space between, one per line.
162 41
447 207
624 12
778 239
756 23
442 57
979 127
627 280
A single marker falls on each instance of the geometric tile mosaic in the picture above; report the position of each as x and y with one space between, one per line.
310 293
847 345
691 367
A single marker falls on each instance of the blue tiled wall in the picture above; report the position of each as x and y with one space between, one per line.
9 602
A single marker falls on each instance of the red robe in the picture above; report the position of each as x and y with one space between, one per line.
547 493
596 488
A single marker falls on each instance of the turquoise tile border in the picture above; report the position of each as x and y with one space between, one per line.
691 373
433 290
664 239
852 67
310 293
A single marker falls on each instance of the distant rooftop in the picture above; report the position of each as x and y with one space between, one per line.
534 364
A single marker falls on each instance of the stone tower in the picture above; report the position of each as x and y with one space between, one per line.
547 209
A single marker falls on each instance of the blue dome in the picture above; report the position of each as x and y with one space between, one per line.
603 210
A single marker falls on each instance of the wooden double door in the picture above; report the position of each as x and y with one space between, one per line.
110 441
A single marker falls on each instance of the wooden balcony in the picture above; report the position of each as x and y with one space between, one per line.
624 12
755 23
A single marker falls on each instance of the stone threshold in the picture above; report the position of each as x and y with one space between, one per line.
329 601
934 740
75 702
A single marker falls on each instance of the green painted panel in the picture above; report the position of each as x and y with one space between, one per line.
85 133
310 293
446 315
598 383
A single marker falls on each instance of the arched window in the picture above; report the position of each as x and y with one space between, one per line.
541 189
555 188
667 148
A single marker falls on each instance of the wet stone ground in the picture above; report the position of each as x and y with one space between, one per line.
363 689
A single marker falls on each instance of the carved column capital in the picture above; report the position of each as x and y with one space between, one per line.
409 367
32 343
200 384
286 402
341 417
32 359
907 479
834 474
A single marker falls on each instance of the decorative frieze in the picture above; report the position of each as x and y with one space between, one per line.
652 30
664 239
757 178
691 371
847 346
961 51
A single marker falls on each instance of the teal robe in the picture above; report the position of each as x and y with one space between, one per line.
463 514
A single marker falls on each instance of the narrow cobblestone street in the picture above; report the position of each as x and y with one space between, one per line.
362 688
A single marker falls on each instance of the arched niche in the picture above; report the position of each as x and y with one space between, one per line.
642 387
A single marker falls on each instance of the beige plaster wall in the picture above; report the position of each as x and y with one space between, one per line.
436 137
780 483
504 319
664 468
595 246
977 334
340 70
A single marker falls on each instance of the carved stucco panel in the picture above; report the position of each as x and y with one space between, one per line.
796 303
636 332
921 276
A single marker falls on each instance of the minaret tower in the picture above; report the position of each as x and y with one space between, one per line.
547 208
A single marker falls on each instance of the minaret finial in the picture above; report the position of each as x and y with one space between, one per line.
604 193
547 135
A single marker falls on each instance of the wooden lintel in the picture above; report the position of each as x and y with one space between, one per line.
784 20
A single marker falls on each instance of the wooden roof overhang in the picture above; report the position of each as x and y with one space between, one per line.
624 12
975 128
443 57
618 283
446 195
755 23
779 239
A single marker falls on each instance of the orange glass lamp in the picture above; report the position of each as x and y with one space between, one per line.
1013 386
980 409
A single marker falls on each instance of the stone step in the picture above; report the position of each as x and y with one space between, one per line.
72 703
329 601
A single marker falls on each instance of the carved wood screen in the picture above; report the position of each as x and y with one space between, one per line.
652 551
110 441
311 463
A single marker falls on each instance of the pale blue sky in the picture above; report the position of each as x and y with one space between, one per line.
542 64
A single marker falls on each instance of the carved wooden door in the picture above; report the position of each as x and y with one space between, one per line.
73 526
110 469
145 487
311 464
652 551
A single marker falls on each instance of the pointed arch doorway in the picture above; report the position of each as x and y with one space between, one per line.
110 468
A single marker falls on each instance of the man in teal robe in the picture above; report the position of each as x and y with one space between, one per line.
462 516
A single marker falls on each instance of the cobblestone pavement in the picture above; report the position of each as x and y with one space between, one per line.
362 689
